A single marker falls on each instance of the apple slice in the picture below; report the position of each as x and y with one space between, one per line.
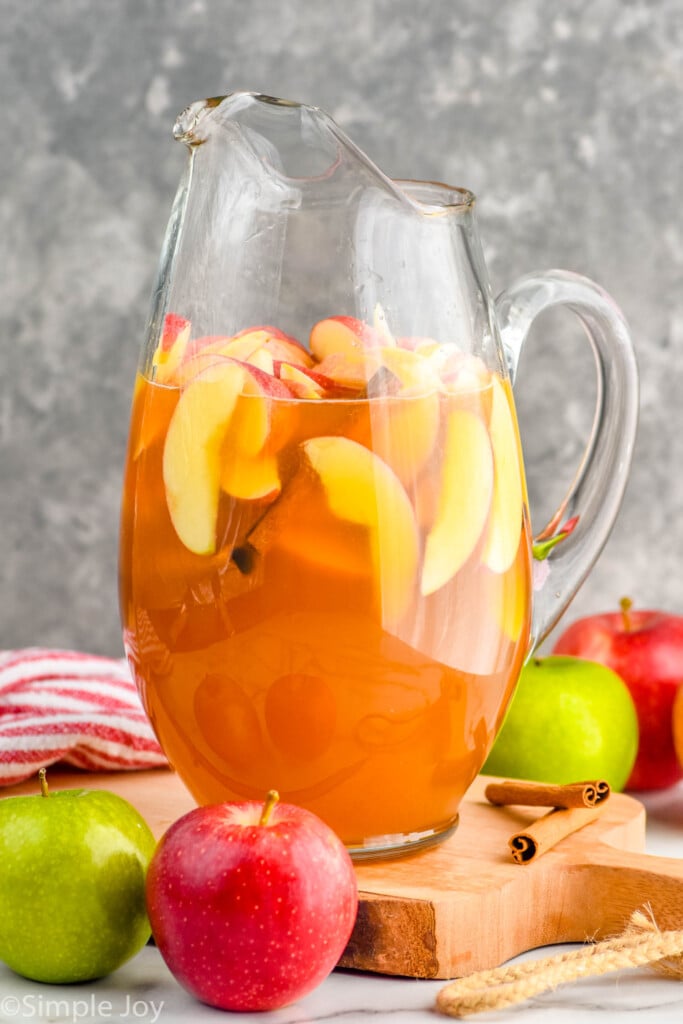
258 346
301 383
513 593
251 428
308 382
361 489
464 501
277 344
345 334
507 509
248 348
288 350
401 430
192 450
349 370
416 374
254 478
170 351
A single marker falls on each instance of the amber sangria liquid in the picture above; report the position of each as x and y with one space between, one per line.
325 571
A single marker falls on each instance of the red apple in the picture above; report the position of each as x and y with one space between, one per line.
646 649
251 905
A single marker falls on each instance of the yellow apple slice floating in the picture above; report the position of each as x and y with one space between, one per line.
308 382
250 427
505 526
347 369
248 348
299 523
361 489
258 346
416 374
402 431
195 364
341 334
254 478
514 593
286 349
464 501
302 384
171 349
191 461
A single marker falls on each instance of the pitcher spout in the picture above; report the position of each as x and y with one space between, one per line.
298 142
188 124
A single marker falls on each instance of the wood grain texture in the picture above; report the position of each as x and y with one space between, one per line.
465 905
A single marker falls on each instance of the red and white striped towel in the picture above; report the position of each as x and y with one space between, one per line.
77 708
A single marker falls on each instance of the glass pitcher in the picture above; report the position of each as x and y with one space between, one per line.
326 555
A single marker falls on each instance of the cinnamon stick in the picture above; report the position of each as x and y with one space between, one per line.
547 831
541 794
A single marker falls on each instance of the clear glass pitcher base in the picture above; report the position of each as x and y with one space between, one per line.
402 844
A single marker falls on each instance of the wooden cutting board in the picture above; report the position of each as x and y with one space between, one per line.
466 905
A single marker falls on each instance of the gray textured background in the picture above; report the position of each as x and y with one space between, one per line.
565 119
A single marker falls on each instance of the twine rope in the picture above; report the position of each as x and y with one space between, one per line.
641 944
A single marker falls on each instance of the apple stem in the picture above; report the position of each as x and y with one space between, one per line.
626 604
271 799
42 776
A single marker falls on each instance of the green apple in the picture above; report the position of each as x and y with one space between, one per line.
73 866
569 720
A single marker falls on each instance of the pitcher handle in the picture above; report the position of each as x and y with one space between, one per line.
594 496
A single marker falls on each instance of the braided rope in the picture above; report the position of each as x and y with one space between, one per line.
642 944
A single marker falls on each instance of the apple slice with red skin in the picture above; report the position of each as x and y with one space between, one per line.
645 648
192 453
289 350
346 369
464 501
344 334
251 905
171 348
206 342
280 346
228 403
259 346
248 348
302 383
275 334
308 382
251 424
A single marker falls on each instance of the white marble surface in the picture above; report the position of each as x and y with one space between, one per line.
143 990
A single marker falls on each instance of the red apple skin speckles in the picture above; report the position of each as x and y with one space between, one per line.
250 916
645 648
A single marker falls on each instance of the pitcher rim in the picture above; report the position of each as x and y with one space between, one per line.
464 203
462 199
